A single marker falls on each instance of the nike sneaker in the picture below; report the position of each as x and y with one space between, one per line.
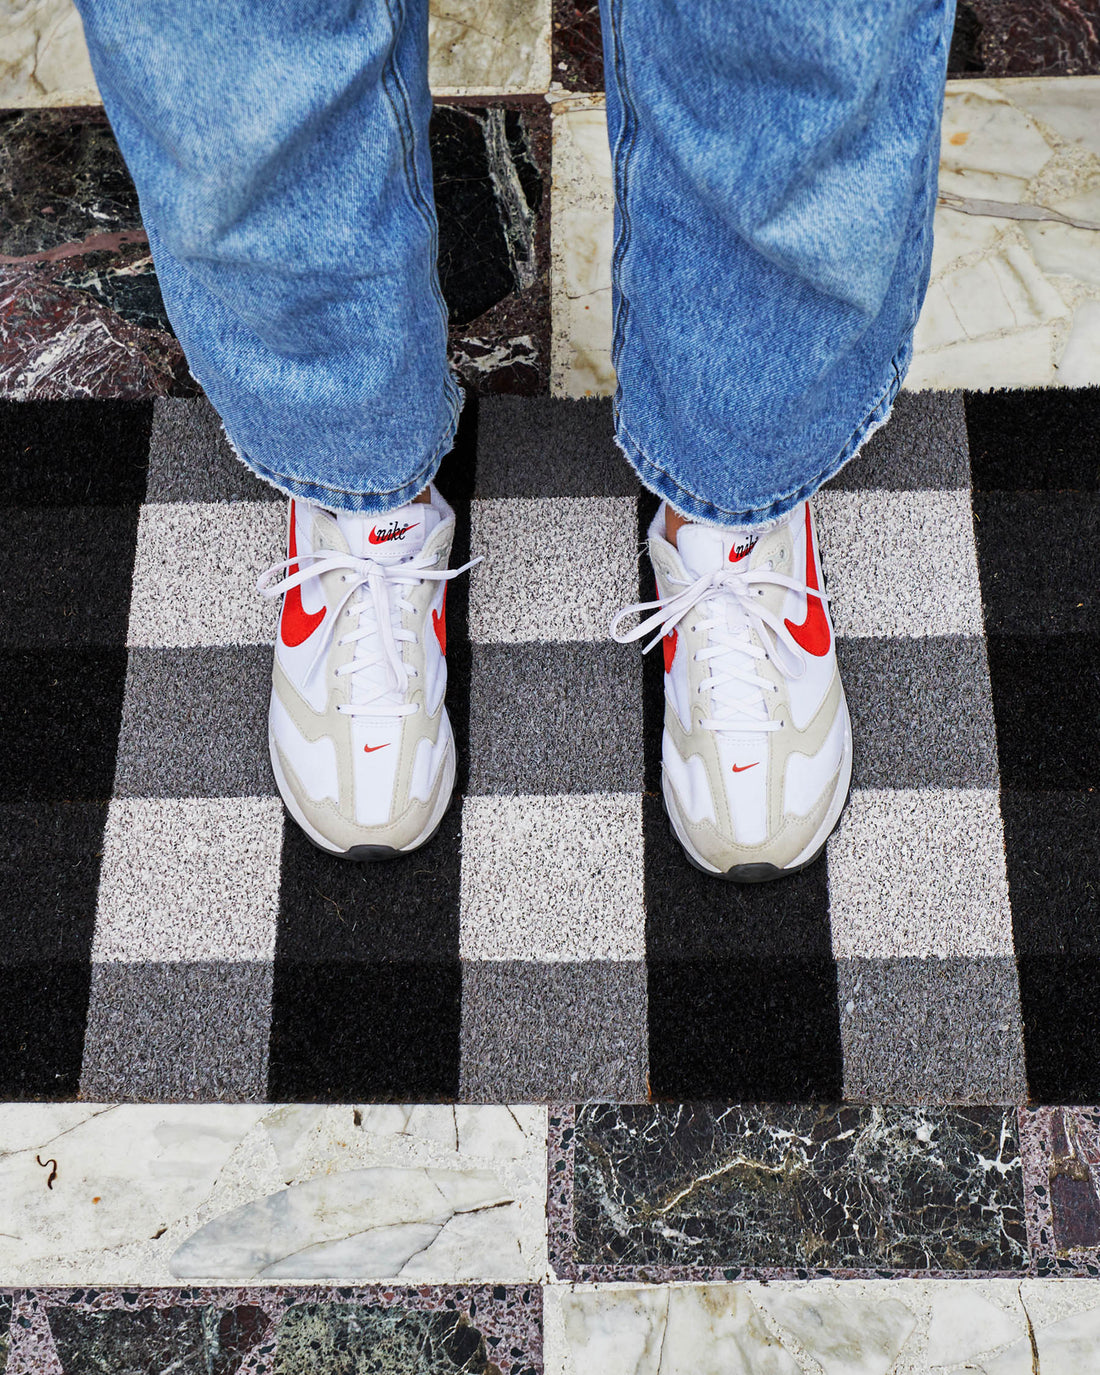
361 745
757 745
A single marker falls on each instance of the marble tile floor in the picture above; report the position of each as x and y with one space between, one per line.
413 1239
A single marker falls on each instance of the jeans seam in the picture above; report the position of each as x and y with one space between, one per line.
624 148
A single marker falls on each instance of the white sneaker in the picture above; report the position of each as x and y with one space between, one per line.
361 745
757 745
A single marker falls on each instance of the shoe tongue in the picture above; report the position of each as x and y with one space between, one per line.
704 548
391 537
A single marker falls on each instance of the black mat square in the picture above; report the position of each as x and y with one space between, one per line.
66 575
1039 558
379 1031
49 876
406 910
1046 438
744 1029
690 915
59 718
1052 852
1046 699
42 1028
1061 1007
74 453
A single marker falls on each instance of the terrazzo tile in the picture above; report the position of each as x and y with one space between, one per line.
578 45
232 1194
678 1192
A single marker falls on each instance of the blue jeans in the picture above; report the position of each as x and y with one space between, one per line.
775 175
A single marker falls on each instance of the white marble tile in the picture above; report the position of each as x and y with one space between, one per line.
189 878
227 1194
474 47
530 892
825 1327
900 563
43 58
581 243
195 571
1009 278
920 873
488 46
556 568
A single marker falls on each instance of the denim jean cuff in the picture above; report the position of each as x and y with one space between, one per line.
697 508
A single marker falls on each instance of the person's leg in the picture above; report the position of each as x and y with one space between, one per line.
775 178
281 158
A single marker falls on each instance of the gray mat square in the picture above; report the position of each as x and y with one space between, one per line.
922 713
177 1032
574 1032
923 444
194 723
931 1030
556 718
190 458
549 447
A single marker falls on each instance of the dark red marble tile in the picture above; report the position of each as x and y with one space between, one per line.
1026 38
578 47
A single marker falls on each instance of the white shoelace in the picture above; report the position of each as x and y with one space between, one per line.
377 638
729 646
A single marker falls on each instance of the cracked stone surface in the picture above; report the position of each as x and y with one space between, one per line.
229 1194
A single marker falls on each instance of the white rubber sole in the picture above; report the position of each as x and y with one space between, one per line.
807 855
443 801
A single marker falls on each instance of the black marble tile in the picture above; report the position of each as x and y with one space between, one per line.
5 1320
1039 439
80 309
686 1190
346 1339
1046 701
577 45
74 453
491 169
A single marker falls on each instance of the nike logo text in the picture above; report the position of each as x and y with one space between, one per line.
736 555
395 531
297 624
740 768
813 634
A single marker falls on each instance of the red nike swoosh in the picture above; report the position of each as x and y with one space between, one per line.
740 768
668 644
439 622
297 624
370 749
813 633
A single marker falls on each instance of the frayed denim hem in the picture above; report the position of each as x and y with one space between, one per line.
366 503
697 508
